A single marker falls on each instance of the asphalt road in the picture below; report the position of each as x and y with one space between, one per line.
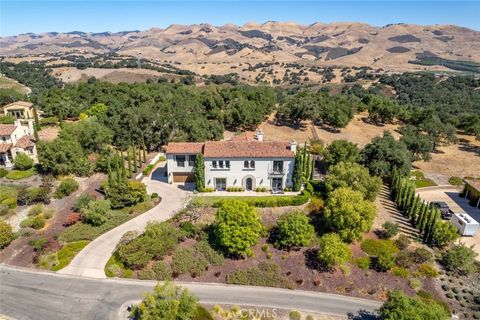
31 294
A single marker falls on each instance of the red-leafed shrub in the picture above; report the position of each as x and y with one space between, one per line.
71 219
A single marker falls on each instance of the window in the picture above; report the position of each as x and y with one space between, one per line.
180 161
246 164
227 164
191 160
252 164
220 184
278 166
214 163
277 184
220 164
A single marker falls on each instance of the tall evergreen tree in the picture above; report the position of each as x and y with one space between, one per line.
297 172
109 172
139 157
36 123
129 161
199 172
134 159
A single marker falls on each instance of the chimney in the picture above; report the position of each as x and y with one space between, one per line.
259 134
293 146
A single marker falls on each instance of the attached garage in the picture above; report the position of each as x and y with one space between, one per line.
183 177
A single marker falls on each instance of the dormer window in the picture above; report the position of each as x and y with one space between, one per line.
246 164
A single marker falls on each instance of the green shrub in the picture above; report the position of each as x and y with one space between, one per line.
266 274
26 223
48 213
428 270
148 169
162 271
235 189
6 234
422 255
415 283
265 248
3 172
154 195
363 263
460 259
38 244
60 259
385 261
260 189
126 194
262 202
294 315
23 162
207 190
82 201
18 174
374 247
238 227
158 240
49 121
202 314
455 181
38 222
204 249
66 187
402 242
332 250
186 260
36 210
391 229
293 230
95 213
400 272
405 259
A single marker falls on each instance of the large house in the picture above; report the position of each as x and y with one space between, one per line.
247 163
18 137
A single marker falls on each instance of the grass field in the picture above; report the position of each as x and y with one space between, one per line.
7 83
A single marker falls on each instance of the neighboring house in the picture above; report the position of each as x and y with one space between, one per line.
249 164
18 137
472 191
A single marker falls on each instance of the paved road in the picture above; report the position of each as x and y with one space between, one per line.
92 259
31 294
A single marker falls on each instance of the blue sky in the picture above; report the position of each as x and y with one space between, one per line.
96 16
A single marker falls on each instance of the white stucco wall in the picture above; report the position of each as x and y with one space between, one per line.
236 174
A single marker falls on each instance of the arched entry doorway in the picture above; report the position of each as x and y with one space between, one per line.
249 183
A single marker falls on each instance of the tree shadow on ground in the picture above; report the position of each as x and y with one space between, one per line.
363 315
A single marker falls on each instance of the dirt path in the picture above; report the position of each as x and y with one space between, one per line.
387 211
20 253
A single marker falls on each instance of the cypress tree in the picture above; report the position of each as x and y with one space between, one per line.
431 228
36 123
122 163
304 159
134 159
199 171
139 157
414 212
109 172
118 170
400 191
312 168
129 163
297 173
144 153
424 218
410 198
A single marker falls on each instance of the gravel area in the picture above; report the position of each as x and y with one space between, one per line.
19 215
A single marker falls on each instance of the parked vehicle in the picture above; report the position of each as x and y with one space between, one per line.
444 209
466 225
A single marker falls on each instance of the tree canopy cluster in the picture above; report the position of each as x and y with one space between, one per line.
156 113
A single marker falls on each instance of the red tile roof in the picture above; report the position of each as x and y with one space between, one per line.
25 142
184 147
6 129
247 149
4 147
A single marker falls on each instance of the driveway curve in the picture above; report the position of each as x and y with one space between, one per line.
92 259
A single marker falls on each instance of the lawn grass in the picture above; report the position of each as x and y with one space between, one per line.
20 174
420 180
85 231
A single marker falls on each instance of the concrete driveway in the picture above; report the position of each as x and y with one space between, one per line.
450 195
92 259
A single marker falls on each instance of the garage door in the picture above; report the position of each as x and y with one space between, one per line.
182 177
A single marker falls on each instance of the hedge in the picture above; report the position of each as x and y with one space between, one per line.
262 201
